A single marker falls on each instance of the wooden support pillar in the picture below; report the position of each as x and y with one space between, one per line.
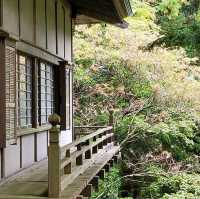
101 174
79 160
88 154
107 167
111 162
54 171
114 140
68 169
87 192
95 183
111 117
115 159
94 149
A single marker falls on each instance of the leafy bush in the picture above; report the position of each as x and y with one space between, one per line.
110 187
172 186
154 92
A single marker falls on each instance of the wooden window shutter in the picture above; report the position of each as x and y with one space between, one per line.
8 93
10 76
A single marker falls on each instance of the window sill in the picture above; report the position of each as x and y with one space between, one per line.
28 131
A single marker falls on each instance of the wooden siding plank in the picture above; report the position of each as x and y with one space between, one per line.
51 26
60 29
68 35
40 24
27 20
11 16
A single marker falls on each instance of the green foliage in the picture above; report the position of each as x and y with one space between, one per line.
175 186
154 92
180 137
169 8
179 22
110 187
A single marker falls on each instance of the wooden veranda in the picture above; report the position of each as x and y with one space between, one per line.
71 171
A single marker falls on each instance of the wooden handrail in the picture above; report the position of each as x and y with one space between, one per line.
90 127
63 160
87 137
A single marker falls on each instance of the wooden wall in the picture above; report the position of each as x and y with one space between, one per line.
42 23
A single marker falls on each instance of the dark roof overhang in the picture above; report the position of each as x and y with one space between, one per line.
96 11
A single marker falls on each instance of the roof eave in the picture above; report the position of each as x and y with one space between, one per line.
85 15
123 8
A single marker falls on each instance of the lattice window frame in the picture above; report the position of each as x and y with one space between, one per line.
10 70
25 87
46 99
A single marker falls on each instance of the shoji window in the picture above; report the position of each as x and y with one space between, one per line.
46 92
24 91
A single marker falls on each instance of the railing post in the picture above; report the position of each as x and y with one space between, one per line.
111 117
54 175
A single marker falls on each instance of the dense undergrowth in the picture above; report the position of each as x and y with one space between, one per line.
148 76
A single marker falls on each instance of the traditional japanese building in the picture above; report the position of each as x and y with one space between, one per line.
36 73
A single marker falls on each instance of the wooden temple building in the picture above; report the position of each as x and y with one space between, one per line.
41 158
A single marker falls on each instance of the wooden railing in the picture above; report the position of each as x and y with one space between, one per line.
80 131
67 162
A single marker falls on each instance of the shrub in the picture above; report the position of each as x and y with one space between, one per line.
110 187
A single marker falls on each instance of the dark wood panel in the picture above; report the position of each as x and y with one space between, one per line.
40 23
11 16
51 26
60 29
27 20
